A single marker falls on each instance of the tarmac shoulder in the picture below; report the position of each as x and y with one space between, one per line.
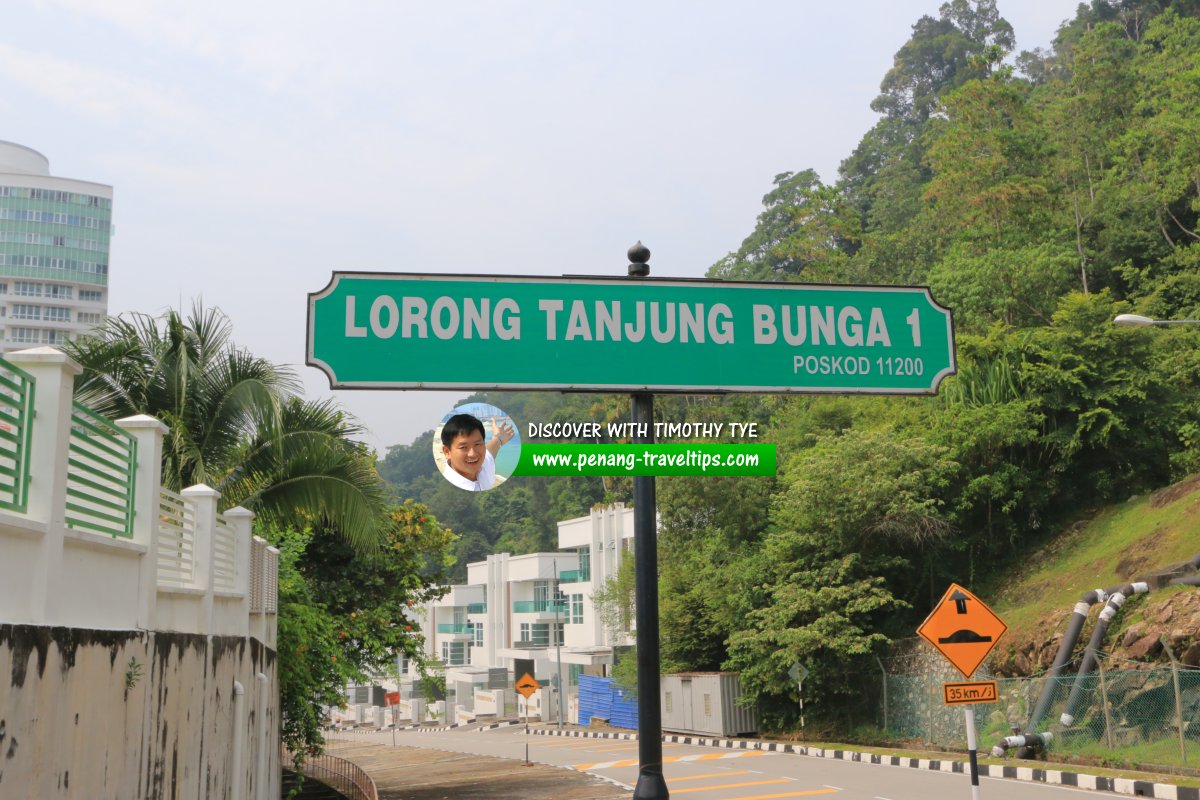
414 773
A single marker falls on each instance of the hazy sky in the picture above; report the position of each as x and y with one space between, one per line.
254 147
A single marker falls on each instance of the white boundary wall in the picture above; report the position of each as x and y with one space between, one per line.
139 666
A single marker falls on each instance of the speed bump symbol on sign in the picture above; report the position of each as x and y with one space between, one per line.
526 686
963 629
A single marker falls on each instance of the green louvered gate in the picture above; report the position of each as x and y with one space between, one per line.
16 422
100 472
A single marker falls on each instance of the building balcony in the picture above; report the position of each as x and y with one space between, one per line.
477 608
539 606
454 629
575 575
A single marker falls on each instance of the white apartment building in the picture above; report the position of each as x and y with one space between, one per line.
54 245
536 606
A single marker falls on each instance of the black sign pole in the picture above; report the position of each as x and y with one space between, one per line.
650 784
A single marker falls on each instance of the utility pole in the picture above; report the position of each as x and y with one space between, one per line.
558 628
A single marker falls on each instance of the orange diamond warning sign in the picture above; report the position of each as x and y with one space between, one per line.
526 686
963 629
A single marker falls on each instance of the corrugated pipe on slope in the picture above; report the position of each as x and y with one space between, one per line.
1031 742
1089 656
1065 648
1028 742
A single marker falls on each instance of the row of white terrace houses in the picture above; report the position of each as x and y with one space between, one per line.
533 606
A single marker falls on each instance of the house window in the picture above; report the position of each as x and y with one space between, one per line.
576 609
585 563
26 335
26 311
56 314
538 633
456 654
477 639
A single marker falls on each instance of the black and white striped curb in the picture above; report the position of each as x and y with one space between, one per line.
476 726
432 728
1055 777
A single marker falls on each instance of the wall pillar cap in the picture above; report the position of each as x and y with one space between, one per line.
44 355
200 490
142 422
237 512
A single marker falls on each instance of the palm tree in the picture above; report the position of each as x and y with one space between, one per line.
237 423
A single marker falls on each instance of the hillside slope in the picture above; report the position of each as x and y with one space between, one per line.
1119 544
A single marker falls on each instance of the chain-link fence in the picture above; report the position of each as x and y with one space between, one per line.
1135 716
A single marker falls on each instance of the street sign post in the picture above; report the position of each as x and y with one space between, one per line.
798 673
635 335
408 331
963 629
526 685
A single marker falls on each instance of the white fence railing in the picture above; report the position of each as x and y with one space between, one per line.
224 556
176 540
258 557
271 581
179 564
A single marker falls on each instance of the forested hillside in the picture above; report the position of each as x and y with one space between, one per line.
1039 195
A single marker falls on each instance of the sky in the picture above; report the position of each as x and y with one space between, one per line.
255 147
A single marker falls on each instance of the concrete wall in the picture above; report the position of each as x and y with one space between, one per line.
121 657
129 714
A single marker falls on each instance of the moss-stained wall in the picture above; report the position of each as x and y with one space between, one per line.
127 715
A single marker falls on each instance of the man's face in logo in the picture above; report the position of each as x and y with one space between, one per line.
465 454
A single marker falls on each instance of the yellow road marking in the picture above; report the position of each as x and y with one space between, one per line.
731 786
786 794
625 749
712 756
709 775
608 765
671 759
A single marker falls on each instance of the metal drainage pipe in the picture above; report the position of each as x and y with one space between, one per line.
239 703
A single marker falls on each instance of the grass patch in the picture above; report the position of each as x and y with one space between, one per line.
1118 545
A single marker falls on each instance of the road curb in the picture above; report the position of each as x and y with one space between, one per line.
1081 780
430 729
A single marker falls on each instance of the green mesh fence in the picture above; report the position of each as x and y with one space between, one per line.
1137 716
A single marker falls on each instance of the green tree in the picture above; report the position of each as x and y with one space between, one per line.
235 421
762 255
344 613
987 159
941 55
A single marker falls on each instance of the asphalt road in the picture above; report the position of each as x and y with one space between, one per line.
712 774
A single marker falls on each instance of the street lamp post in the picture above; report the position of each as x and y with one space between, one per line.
1138 321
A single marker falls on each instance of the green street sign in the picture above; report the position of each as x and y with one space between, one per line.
402 331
